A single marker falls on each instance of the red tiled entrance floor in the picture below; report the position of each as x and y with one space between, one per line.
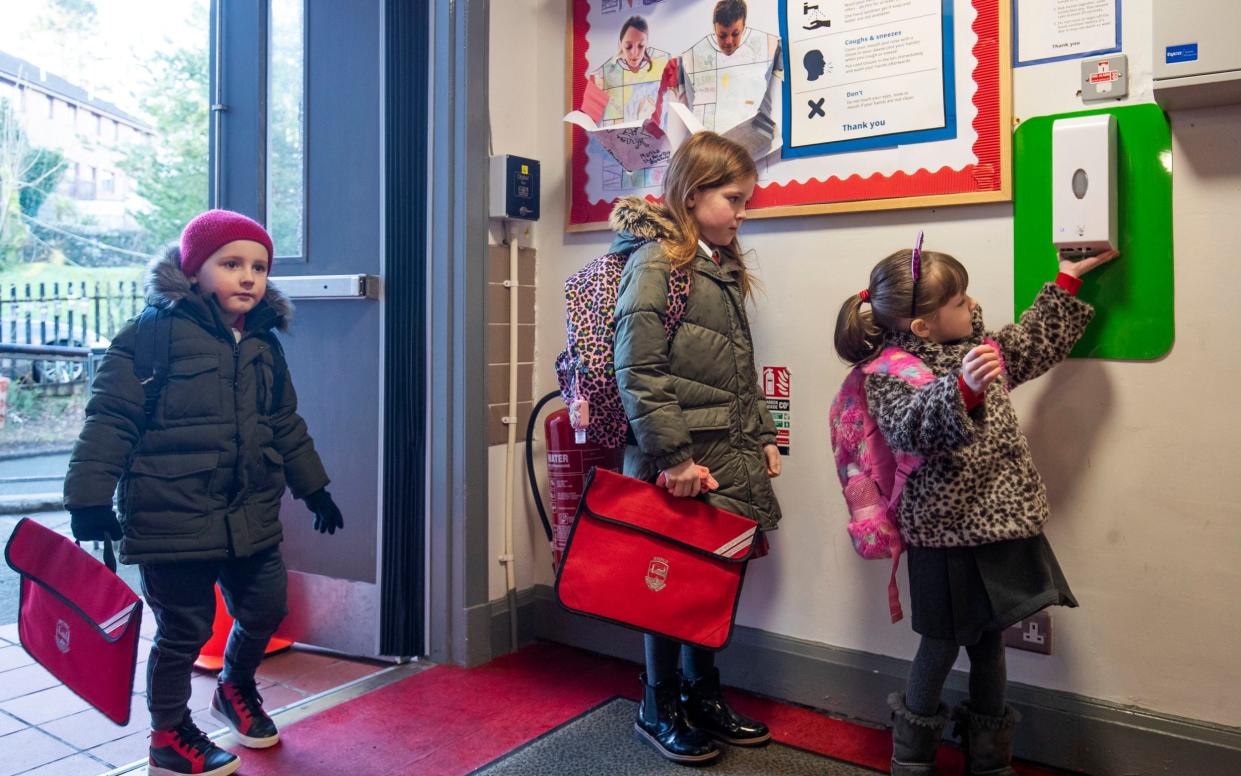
46 730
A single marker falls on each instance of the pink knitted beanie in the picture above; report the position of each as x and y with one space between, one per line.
208 232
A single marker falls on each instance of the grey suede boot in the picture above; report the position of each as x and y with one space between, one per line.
915 739
987 741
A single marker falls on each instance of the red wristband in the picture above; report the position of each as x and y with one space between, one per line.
971 399
1068 283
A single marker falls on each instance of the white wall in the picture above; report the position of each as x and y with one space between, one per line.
1139 458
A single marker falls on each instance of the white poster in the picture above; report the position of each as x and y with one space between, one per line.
865 69
1051 30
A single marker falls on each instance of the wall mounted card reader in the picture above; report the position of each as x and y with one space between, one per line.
1083 185
514 187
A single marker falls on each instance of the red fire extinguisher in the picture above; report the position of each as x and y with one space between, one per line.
568 462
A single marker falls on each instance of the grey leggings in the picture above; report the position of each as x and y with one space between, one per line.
933 662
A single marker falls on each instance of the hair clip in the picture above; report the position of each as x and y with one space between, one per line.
915 268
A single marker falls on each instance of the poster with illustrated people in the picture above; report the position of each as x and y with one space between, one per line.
931 125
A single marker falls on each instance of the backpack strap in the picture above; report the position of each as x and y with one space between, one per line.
894 592
678 300
152 343
280 373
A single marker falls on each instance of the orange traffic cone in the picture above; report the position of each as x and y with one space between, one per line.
211 657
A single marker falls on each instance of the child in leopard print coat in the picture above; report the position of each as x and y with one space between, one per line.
972 514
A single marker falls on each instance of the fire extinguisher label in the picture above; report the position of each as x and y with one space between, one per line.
777 386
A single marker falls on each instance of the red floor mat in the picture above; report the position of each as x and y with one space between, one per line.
448 720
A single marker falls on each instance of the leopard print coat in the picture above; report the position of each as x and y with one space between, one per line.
977 483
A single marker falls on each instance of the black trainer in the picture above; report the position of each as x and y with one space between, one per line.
186 750
661 723
240 706
706 709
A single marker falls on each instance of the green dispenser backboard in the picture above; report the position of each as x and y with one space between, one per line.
1133 294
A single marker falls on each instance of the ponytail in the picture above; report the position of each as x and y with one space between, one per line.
858 337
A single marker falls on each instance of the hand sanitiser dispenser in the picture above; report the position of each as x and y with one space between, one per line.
1083 185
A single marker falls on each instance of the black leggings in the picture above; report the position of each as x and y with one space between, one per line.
933 662
661 660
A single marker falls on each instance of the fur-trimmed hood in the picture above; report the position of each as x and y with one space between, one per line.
637 220
167 286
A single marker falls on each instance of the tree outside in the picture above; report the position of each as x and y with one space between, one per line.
103 159
103 148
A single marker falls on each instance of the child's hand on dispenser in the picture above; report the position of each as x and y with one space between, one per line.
1082 266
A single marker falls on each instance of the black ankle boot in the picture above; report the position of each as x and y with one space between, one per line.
661 723
987 741
915 738
707 710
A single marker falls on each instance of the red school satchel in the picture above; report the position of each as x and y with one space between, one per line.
647 560
76 617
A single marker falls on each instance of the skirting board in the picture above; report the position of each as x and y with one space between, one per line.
1058 728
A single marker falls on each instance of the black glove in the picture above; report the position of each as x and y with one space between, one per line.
327 514
94 524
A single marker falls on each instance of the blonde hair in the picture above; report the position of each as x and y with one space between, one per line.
704 161
860 334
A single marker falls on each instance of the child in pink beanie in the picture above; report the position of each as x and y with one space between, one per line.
193 415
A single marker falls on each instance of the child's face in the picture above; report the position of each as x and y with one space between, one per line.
953 321
236 274
720 211
633 47
729 37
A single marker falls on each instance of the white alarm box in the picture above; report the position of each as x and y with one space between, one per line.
1083 185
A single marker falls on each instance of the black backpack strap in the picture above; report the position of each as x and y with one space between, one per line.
153 341
279 373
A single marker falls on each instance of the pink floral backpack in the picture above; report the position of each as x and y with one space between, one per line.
870 473
586 368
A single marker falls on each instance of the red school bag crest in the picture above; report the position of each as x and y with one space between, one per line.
77 618
642 558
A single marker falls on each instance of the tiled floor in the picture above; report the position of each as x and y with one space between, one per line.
46 730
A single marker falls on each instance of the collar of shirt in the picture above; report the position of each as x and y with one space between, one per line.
714 253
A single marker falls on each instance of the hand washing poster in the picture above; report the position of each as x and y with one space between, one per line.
843 104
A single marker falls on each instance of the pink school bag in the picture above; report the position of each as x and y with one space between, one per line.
870 473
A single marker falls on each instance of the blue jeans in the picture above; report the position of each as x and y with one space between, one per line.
182 598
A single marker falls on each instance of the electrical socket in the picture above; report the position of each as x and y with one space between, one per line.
1032 634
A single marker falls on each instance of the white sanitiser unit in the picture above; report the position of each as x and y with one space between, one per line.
1083 185
1197 53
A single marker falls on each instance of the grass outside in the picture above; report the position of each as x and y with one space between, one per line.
38 417
65 316
21 274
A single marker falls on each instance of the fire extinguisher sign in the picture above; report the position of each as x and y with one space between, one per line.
777 384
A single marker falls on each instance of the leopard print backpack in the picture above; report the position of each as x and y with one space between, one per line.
586 368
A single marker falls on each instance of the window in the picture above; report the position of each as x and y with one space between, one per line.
108 184
286 203
98 124
51 106
116 130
